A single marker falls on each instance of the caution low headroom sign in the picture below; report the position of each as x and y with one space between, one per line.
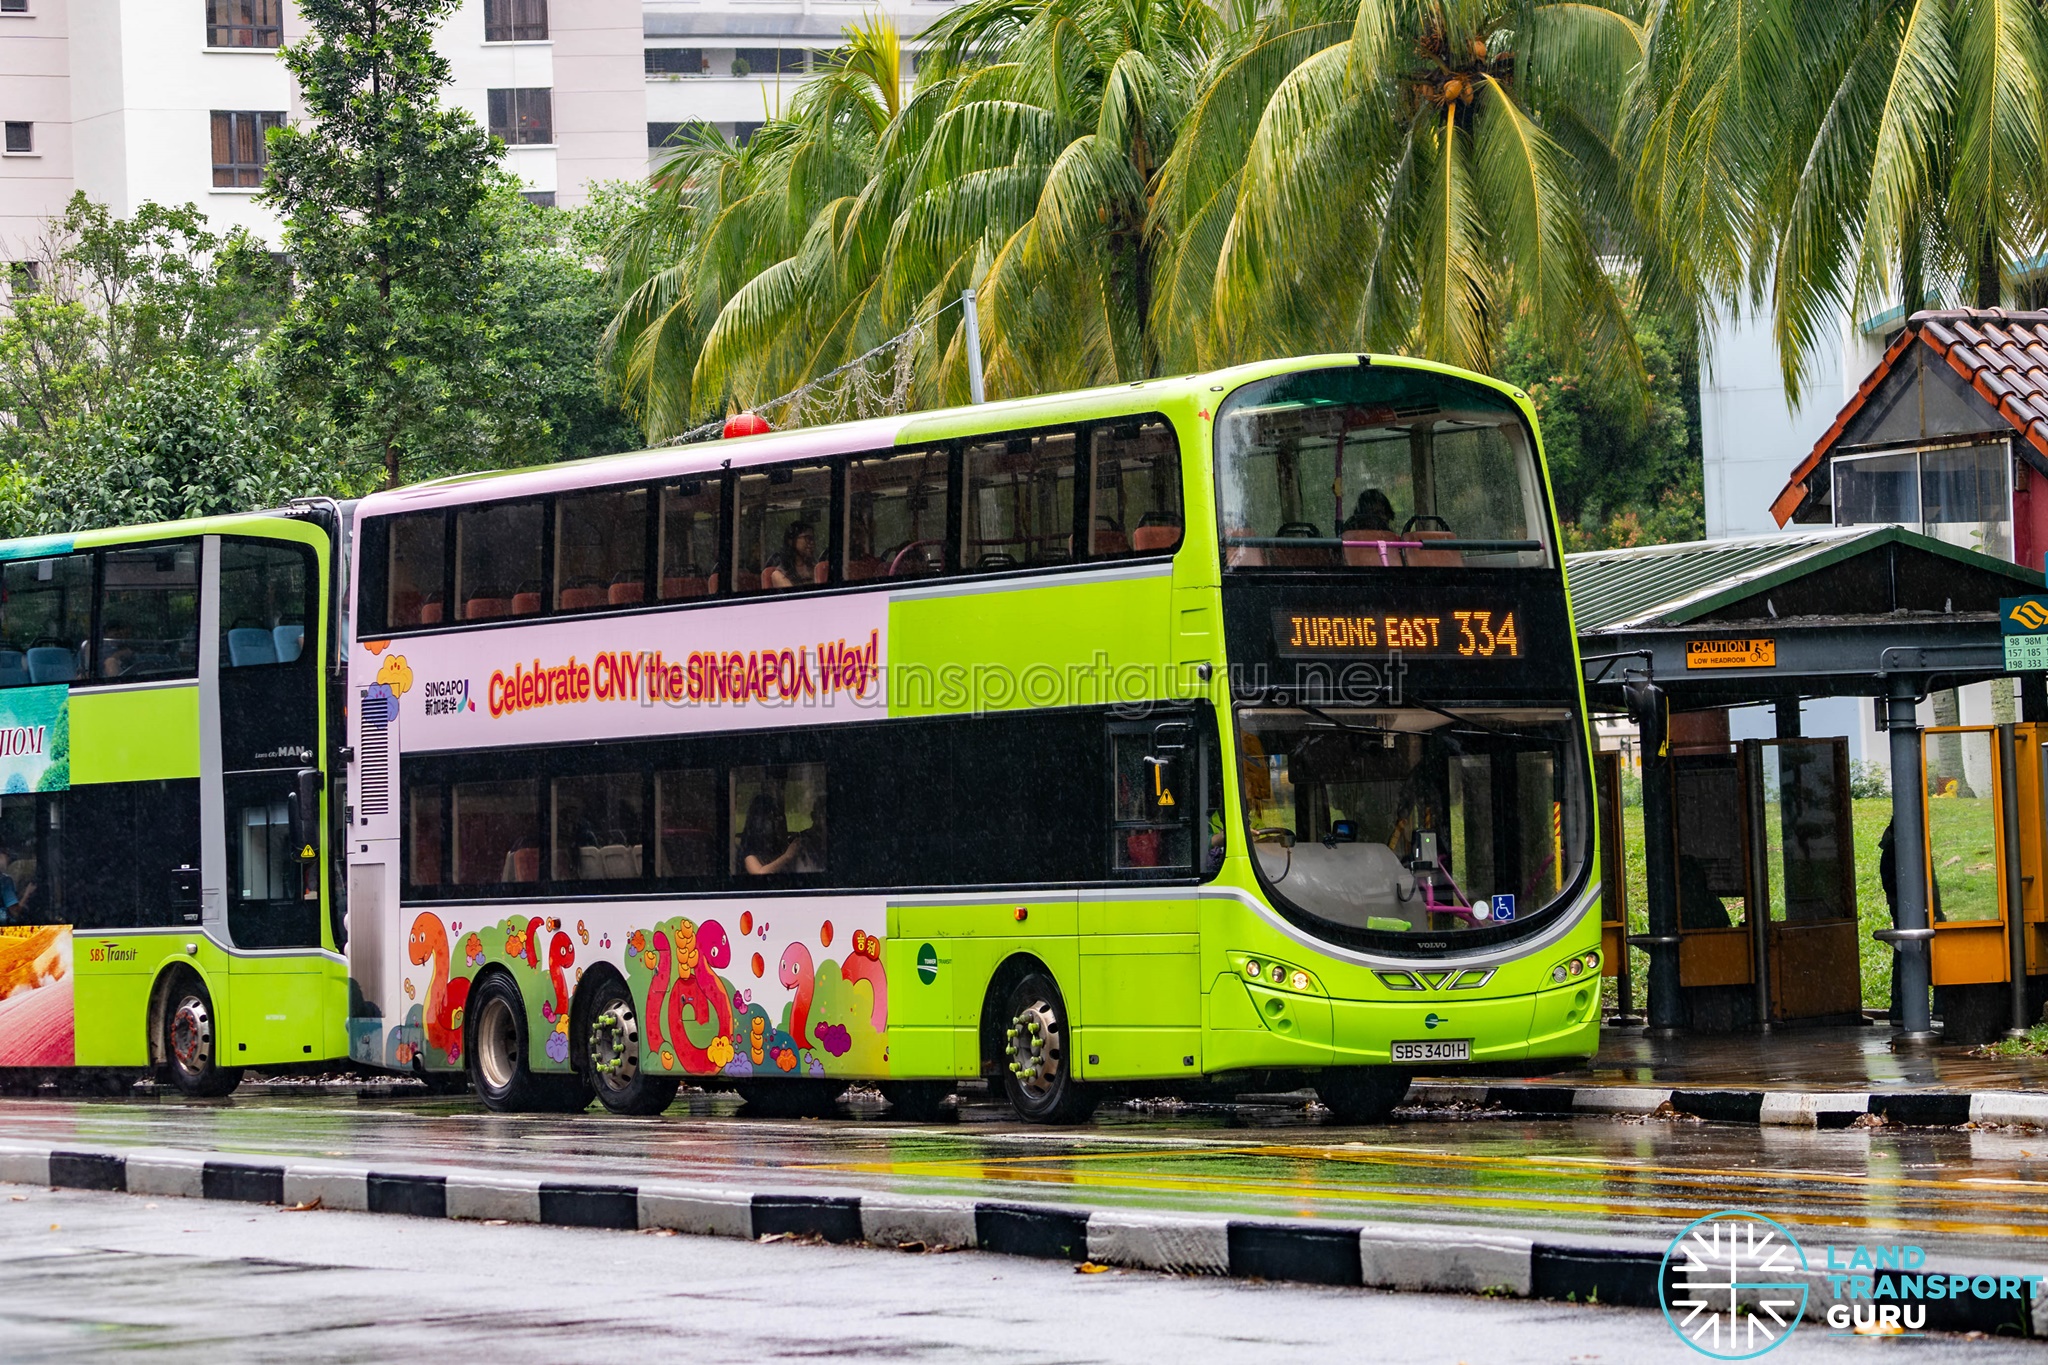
1731 653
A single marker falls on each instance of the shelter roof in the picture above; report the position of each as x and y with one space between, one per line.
1652 586
1999 363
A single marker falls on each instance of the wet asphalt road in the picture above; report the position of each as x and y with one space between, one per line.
1980 1194
99 1276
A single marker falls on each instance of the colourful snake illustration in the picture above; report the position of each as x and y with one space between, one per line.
796 974
561 956
682 981
859 968
445 998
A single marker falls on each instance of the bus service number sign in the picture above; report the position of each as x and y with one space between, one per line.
1461 632
2023 622
1731 653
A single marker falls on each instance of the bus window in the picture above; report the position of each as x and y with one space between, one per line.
45 617
1134 498
31 828
1155 798
896 515
497 827
686 819
498 566
690 523
1376 467
1020 502
415 580
149 612
778 820
126 841
598 832
601 550
425 833
262 603
784 527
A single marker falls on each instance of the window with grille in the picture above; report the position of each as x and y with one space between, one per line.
515 21
238 151
767 61
523 117
13 6
21 137
675 61
244 23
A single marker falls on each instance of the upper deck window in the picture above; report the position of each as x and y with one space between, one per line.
896 515
417 549
1020 501
499 561
691 517
45 619
263 605
601 549
1135 494
1376 467
784 527
149 613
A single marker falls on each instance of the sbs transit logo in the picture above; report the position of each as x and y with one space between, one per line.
1732 1285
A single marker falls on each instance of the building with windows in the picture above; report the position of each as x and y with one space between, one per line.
168 100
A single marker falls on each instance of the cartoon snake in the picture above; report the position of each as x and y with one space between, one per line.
445 998
698 988
859 968
533 928
657 991
796 974
561 956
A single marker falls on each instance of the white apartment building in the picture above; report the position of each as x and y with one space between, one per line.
167 100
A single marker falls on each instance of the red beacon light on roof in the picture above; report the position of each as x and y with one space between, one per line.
746 424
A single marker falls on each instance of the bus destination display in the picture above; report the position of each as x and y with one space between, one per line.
1458 632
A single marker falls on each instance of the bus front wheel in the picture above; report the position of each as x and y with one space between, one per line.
189 1043
1364 1095
1037 1073
497 1057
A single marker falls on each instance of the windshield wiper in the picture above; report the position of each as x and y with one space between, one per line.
1326 718
1457 719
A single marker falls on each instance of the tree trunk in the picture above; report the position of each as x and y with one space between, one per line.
390 462
1987 271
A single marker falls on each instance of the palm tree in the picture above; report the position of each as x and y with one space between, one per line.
1403 175
1807 157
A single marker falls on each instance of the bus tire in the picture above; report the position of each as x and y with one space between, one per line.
190 1060
792 1099
918 1101
1037 1075
1366 1094
611 1053
496 1047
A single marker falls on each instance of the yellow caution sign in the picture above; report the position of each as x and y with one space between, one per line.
1731 653
307 855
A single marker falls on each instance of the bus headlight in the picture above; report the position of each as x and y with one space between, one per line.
1252 969
1557 973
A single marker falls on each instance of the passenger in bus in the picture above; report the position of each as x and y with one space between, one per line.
14 900
796 563
766 845
1373 511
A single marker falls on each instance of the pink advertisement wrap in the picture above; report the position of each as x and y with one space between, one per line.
746 666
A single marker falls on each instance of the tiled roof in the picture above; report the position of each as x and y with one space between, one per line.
2003 356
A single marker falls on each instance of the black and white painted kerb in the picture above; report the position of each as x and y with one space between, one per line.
1417 1258
1793 1108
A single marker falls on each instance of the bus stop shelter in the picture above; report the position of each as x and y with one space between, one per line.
1751 884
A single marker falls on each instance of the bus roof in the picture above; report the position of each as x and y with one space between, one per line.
232 523
879 433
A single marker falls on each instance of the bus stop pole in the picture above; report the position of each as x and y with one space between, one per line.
1666 1009
1911 937
2015 894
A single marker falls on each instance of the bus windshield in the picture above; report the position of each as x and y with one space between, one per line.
1376 467
1415 822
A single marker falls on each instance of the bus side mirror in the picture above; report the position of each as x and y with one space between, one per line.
306 814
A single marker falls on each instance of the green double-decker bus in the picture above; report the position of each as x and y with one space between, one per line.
165 888
1214 731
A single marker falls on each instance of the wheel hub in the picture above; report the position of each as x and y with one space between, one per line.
1035 1048
615 1046
192 1036
497 1044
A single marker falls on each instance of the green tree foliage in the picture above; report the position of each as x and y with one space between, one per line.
1805 156
1624 472
383 191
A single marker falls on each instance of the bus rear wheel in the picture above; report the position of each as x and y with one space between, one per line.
497 1057
611 1055
1365 1095
189 1045
1037 1075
